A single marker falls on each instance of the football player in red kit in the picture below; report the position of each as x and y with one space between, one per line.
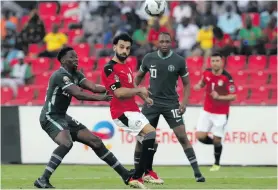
220 91
118 80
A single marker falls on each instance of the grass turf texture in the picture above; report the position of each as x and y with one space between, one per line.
100 177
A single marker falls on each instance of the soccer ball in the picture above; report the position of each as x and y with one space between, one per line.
155 7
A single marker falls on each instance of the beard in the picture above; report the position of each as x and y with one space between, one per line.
121 57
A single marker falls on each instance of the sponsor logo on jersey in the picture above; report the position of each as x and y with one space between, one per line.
171 68
116 78
153 65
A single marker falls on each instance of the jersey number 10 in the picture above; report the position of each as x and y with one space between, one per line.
153 72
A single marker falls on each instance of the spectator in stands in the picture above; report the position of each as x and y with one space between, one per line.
252 7
182 10
7 19
186 33
33 32
154 32
207 17
270 36
54 40
230 22
109 35
222 42
8 43
271 10
20 74
251 39
141 42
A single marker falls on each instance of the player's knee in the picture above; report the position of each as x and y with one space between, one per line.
150 136
182 138
67 143
217 141
201 136
96 143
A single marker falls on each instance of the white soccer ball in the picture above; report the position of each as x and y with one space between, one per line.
155 7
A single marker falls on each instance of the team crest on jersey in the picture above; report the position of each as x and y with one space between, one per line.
66 80
171 68
75 81
138 123
220 83
232 89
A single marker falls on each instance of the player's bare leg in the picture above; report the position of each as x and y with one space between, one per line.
148 135
216 141
217 153
63 139
189 151
150 176
86 137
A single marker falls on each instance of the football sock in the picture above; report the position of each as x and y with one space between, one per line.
147 152
56 158
190 154
108 157
137 156
206 140
149 165
217 153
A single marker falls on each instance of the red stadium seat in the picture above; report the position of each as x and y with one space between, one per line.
258 95
6 94
273 59
273 79
255 17
258 78
24 20
86 63
49 21
194 63
242 94
22 101
82 50
40 65
43 78
35 102
196 97
73 33
65 6
257 62
102 61
35 49
93 76
132 61
41 93
236 63
240 77
25 92
47 8
70 20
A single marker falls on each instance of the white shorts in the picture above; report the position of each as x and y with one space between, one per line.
132 122
214 123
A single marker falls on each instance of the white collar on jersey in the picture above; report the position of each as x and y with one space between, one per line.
166 57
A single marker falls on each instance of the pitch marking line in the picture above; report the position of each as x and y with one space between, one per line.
97 178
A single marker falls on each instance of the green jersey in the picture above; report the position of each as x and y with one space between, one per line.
164 74
57 100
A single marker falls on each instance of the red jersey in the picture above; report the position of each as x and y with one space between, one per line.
223 84
116 75
225 41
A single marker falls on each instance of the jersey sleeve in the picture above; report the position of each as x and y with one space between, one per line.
183 69
63 80
112 81
144 66
81 77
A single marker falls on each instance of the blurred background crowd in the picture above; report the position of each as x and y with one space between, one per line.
33 32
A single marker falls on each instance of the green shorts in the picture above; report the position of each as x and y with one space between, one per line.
170 113
52 125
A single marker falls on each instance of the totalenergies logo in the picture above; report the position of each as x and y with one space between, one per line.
104 130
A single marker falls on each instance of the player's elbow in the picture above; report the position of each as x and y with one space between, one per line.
233 97
119 93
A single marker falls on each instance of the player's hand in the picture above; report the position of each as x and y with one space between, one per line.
182 109
144 92
149 101
214 95
197 87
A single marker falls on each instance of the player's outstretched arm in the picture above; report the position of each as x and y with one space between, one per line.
138 78
123 93
200 84
79 95
96 88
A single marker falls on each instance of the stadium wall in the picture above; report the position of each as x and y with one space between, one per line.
251 137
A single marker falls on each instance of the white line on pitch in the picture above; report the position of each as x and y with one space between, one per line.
96 178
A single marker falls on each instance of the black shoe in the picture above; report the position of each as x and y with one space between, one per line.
43 183
200 178
128 175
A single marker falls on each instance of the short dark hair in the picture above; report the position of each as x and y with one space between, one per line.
217 54
123 36
165 33
63 52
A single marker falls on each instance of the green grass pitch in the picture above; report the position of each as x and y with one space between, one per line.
175 177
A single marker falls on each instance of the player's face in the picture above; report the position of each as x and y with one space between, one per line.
71 60
216 63
122 49
164 43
